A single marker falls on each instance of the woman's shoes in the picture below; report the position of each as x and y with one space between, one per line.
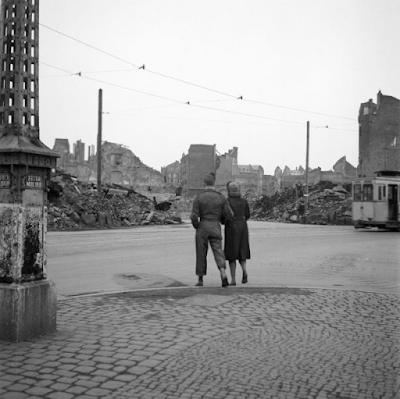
225 282
232 284
244 279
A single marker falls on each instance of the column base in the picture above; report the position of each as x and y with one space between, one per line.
27 310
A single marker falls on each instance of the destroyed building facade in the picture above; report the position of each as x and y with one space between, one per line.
202 159
379 135
119 165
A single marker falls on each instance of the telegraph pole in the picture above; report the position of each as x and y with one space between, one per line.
307 155
100 122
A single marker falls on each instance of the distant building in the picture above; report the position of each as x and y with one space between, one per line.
379 135
62 147
172 173
345 167
119 165
196 165
250 179
79 151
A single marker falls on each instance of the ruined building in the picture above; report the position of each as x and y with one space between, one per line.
379 135
203 159
172 173
200 161
119 165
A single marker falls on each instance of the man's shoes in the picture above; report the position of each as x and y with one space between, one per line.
225 282
199 283
244 279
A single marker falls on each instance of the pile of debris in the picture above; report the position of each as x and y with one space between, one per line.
327 204
76 205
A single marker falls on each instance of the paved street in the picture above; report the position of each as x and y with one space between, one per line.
250 341
282 255
213 343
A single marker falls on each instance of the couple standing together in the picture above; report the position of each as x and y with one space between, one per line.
210 209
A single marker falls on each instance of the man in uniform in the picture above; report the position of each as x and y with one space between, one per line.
208 208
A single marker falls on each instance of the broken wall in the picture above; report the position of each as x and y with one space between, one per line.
379 135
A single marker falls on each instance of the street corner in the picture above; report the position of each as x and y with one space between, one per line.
134 281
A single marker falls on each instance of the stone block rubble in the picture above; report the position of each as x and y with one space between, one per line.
328 204
76 205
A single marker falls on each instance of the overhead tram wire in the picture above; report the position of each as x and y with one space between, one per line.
246 114
89 45
296 109
81 75
191 84
187 82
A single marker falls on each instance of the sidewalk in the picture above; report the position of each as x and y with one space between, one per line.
236 342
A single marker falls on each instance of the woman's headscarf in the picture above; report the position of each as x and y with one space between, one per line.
233 189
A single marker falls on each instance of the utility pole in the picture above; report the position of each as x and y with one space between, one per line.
307 155
100 120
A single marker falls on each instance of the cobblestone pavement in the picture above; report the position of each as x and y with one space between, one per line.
212 343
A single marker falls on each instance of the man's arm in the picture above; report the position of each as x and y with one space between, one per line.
195 215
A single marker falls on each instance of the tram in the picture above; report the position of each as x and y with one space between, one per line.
376 201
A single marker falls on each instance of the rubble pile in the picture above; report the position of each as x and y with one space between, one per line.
75 205
327 204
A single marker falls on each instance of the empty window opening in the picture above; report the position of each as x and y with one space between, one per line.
381 193
367 192
357 192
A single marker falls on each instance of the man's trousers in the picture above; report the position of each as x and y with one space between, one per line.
208 232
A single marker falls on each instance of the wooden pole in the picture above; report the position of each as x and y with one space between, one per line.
307 156
99 141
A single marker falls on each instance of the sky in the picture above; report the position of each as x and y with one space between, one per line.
234 73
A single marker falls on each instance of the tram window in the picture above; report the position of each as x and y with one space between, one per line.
367 192
357 192
381 193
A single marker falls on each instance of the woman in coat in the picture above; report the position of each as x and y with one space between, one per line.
236 232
